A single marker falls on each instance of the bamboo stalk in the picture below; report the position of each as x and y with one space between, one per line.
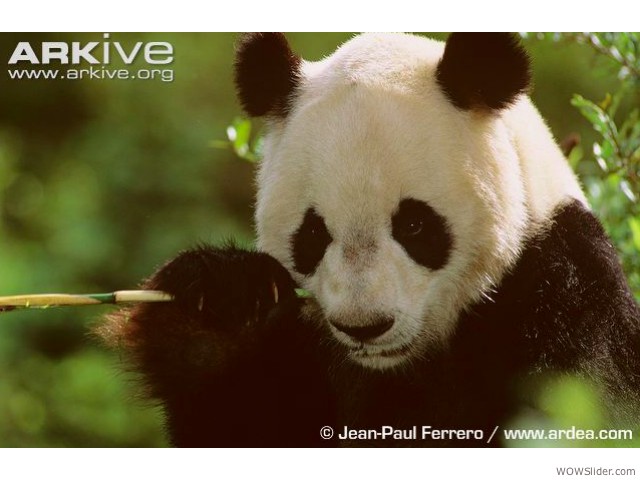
48 300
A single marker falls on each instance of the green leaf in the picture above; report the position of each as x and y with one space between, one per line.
599 119
239 135
628 191
634 225
597 152
302 293
575 156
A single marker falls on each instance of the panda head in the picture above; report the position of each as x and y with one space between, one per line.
397 184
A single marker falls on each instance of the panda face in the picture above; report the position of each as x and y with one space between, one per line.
396 200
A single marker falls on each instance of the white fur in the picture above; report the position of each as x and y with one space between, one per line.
370 127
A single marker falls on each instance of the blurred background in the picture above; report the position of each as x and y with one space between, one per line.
101 181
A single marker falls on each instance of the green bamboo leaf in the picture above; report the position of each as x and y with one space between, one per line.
239 135
588 109
597 152
576 155
607 150
628 191
302 293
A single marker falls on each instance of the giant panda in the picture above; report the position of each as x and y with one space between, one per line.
411 187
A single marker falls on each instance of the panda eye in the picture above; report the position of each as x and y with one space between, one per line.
310 242
422 232
412 227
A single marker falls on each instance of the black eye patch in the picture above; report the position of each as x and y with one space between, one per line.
309 242
423 233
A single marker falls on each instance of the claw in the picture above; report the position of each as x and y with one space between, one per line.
274 288
201 304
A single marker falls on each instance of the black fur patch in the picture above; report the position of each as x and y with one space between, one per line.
422 232
266 73
483 70
310 242
571 301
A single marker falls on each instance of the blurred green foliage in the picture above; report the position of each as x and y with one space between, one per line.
103 180
617 148
609 164
568 404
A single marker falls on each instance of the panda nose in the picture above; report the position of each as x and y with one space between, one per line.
366 332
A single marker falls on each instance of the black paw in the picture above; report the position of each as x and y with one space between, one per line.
228 288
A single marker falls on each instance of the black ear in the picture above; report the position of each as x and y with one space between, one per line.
266 73
483 70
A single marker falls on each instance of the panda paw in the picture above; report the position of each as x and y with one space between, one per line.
230 308
226 288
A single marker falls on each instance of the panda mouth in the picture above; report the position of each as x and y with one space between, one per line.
366 351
